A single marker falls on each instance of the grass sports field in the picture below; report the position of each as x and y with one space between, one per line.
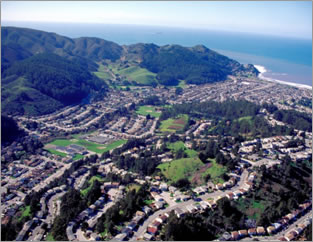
98 148
181 168
145 110
172 125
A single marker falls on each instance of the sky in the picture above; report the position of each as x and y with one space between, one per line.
282 18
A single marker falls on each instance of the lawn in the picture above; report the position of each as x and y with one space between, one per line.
181 168
215 171
25 212
90 182
139 75
173 125
97 148
180 145
145 110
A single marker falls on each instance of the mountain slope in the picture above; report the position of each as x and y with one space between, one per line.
45 82
196 65
20 43
43 71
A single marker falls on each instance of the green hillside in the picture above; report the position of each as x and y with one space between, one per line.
44 83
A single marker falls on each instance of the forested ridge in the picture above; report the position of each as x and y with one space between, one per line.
63 81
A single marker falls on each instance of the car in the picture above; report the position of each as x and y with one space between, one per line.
197 199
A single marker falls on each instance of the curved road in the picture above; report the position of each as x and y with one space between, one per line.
142 229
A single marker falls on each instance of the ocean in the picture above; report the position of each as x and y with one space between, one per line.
286 59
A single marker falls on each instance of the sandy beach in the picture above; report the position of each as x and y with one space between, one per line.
262 70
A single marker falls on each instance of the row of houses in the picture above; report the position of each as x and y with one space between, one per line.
88 212
274 228
128 230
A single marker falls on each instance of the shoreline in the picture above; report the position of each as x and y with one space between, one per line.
262 70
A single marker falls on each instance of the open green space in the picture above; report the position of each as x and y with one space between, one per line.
139 75
246 118
145 110
90 182
180 145
252 208
25 212
102 73
215 171
98 148
172 125
55 152
181 168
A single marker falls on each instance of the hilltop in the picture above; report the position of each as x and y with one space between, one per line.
34 82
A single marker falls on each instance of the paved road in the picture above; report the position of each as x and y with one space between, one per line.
142 229
52 177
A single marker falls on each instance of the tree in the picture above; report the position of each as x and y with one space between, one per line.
84 226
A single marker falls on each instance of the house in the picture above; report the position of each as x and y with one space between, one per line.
252 231
260 231
298 230
282 239
204 204
270 229
190 208
154 195
94 236
155 224
120 237
290 216
243 233
172 189
147 210
132 225
152 230
230 195
163 187
159 204
184 197
179 212
158 198
277 226
219 186
162 218
234 235
212 204
127 231
148 237
290 236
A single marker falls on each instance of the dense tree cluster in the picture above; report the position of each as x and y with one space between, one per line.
298 120
123 210
281 188
205 226
67 82
9 130
197 65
